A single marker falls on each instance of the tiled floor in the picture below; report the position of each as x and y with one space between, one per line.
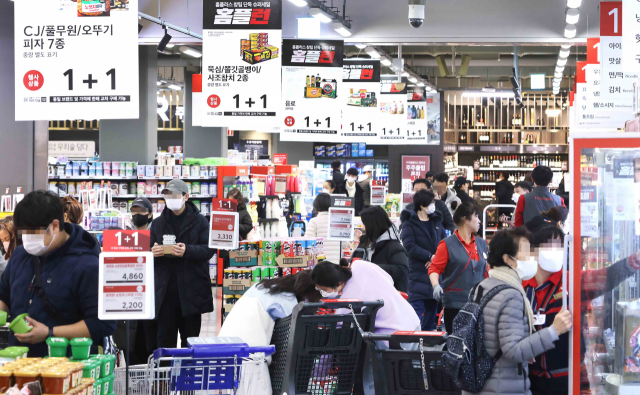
211 321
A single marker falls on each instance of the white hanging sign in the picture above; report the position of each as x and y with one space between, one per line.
630 34
76 60
361 80
393 107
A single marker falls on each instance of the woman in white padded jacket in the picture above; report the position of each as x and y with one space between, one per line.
319 226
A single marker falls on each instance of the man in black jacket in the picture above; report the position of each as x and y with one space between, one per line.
351 188
338 176
182 283
504 193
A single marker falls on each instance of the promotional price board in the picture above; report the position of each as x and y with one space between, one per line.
76 60
341 218
361 80
241 64
393 113
223 226
126 276
378 194
416 115
414 167
311 90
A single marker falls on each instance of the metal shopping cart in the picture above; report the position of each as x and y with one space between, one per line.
207 366
410 365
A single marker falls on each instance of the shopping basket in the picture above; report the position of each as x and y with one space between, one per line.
208 364
414 368
321 353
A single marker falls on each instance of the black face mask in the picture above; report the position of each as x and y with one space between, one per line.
140 219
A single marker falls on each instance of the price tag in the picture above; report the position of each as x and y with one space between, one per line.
223 230
126 240
341 222
378 195
126 286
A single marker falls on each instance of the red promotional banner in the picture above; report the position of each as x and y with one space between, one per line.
416 166
581 77
219 204
611 18
279 159
125 240
593 50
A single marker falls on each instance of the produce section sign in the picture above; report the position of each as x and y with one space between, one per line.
76 60
361 79
241 64
311 90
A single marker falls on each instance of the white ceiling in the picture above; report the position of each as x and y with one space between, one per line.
385 21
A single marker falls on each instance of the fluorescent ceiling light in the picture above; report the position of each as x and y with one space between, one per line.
174 87
320 15
562 62
170 46
537 81
558 75
487 94
570 31
190 51
565 46
574 3
361 46
159 83
385 61
420 83
552 113
404 74
564 53
299 3
372 52
341 29
559 69
413 79
573 14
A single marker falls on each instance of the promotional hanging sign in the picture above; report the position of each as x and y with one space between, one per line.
361 81
392 105
76 60
311 90
589 211
630 36
416 115
433 117
196 100
241 64
414 167
341 218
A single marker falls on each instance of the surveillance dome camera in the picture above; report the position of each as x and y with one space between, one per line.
416 12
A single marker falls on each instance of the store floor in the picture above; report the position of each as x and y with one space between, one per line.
211 321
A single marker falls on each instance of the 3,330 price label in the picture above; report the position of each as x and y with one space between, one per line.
223 230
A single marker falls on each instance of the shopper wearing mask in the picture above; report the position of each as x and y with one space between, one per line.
459 264
509 318
365 183
366 281
338 176
329 186
556 217
351 188
182 283
319 227
421 234
381 245
53 277
520 189
245 225
461 187
8 239
447 219
444 193
141 213
73 212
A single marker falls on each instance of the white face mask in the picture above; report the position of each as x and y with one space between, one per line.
327 295
34 244
351 179
515 197
174 204
431 209
326 191
551 260
526 269
6 245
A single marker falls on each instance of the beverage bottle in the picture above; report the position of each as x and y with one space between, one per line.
318 81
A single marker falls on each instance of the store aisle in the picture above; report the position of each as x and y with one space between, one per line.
210 322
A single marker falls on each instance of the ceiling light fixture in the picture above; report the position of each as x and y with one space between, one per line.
341 29
420 83
552 113
413 79
372 52
574 3
190 51
361 46
570 31
174 87
558 75
564 53
164 41
299 3
573 15
559 69
562 62
487 94
566 46
385 61
319 14
404 74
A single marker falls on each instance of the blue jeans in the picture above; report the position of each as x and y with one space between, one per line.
427 311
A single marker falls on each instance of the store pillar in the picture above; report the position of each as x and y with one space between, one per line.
200 141
135 140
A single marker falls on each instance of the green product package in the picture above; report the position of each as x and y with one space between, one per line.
89 370
20 325
100 368
57 346
98 387
81 347
108 384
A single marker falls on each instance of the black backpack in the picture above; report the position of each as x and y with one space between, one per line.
466 359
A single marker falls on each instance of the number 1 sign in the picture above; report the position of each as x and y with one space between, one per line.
223 227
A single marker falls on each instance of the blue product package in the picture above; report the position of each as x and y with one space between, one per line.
340 152
370 152
318 150
84 169
362 146
331 150
68 170
355 149
362 152
76 169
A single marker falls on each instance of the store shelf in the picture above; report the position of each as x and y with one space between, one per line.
515 168
129 178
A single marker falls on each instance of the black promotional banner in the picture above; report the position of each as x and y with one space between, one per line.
359 70
312 53
312 93
247 15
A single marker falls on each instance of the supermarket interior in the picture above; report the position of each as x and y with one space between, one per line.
269 197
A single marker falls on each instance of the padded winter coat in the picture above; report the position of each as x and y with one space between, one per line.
390 255
319 227
506 327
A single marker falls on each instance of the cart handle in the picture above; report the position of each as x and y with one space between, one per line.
484 216
213 351
344 303
430 338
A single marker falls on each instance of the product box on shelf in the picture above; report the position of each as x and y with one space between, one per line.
331 150
296 261
235 286
319 150
244 258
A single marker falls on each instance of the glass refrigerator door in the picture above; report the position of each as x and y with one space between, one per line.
603 275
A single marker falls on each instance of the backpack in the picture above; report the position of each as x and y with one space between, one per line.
466 358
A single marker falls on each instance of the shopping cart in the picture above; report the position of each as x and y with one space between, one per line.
413 368
207 365
321 353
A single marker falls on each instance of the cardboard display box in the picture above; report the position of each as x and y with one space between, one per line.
296 261
231 286
244 258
